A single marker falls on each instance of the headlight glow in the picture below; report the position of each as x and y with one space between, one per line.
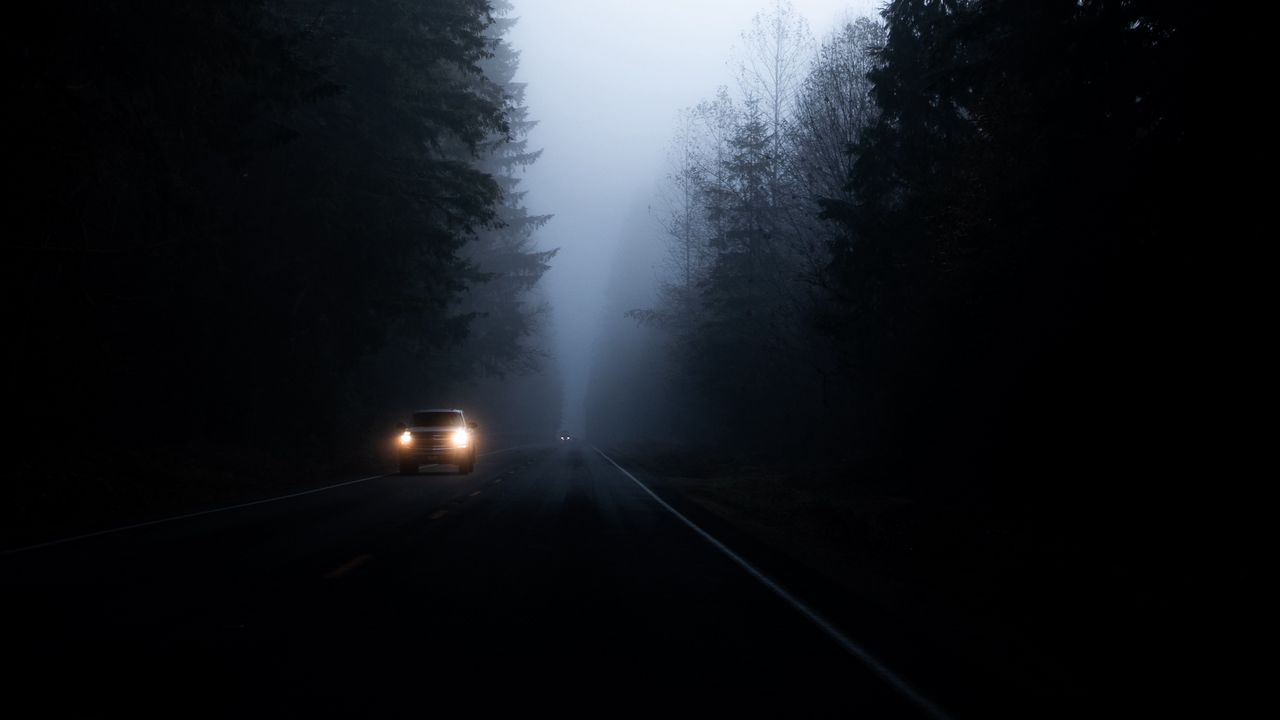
461 438
406 438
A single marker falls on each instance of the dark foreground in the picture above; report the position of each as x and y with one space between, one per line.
546 581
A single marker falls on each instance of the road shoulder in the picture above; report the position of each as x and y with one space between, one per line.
968 664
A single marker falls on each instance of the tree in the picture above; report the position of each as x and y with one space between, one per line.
778 48
687 250
834 107
501 302
741 209
254 198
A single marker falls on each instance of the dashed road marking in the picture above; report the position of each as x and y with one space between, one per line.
352 564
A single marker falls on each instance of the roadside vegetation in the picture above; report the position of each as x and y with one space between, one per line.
258 228
941 299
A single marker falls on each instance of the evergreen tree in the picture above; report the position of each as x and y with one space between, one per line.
507 265
254 198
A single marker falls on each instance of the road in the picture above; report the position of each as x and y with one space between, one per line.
546 581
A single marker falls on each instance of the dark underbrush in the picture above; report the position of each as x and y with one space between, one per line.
1072 603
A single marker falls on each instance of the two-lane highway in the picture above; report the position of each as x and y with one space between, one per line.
547 581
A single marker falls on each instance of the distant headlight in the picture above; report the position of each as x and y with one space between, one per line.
406 438
461 438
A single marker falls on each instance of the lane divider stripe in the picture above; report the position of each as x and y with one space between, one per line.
348 567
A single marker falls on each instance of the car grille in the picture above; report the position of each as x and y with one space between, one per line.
431 439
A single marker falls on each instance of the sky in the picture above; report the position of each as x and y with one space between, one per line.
606 79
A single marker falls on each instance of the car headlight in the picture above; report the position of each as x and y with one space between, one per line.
461 438
406 438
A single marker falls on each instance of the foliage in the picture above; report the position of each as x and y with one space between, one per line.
986 261
747 249
228 209
964 229
508 316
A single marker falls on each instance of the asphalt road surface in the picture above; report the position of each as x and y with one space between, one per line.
546 582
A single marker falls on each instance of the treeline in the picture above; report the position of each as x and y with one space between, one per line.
975 270
745 364
958 239
259 219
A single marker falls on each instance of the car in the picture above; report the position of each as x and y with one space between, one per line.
437 435
564 436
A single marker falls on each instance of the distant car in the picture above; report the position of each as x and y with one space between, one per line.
437 436
564 436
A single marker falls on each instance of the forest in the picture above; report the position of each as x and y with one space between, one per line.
962 291
937 290
265 222
970 224
260 229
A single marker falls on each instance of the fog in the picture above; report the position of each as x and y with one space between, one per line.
937 312
606 80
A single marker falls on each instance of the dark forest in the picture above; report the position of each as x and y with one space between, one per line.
957 298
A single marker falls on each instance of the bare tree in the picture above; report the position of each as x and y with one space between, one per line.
833 107
777 52
831 111
683 220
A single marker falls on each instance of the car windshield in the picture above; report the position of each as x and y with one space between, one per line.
437 419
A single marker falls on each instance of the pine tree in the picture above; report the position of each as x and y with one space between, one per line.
506 264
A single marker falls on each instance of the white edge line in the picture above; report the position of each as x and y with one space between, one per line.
188 516
825 625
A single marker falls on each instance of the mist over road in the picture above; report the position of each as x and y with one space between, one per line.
547 580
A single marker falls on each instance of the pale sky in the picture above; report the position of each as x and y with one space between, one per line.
606 79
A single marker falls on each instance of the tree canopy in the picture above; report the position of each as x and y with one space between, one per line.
227 210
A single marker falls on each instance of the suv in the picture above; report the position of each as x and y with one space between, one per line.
437 436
